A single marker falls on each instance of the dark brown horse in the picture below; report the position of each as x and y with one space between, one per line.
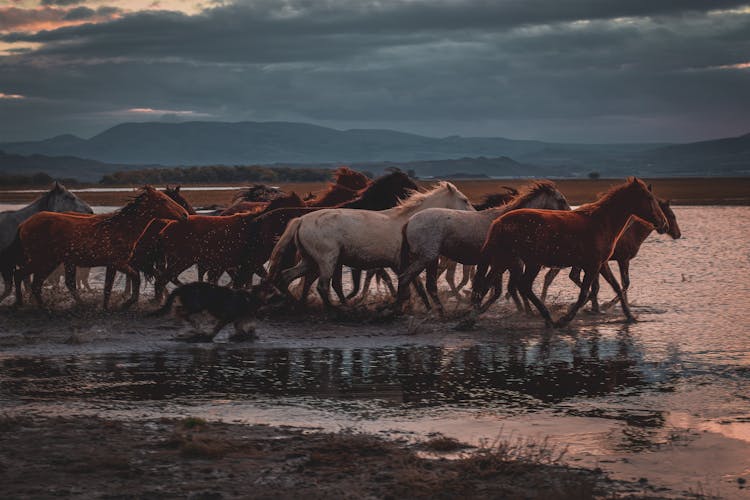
626 250
48 239
496 199
584 238
347 186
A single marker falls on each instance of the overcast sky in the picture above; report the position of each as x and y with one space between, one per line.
563 70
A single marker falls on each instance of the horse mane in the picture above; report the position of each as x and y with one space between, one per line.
384 185
491 200
529 191
130 208
257 192
416 198
336 193
289 200
351 179
607 195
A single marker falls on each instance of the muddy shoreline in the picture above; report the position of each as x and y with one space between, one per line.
92 457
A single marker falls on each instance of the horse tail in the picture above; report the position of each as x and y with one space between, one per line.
167 305
284 251
10 257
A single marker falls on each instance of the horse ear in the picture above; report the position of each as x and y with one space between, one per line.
451 187
177 188
650 188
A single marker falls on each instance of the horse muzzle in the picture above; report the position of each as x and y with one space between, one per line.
662 228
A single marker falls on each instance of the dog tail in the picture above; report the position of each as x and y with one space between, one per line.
167 305
284 252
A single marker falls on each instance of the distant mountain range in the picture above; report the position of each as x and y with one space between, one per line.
131 145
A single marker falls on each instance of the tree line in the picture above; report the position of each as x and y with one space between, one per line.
217 174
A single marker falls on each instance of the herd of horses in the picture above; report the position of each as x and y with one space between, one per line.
357 223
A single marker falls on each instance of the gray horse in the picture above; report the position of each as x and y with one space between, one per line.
57 199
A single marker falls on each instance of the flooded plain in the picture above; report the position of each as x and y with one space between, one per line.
665 400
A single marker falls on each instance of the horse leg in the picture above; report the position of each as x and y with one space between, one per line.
38 282
466 271
421 292
513 294
19 276
432 288
369 274
575 276
135 277
109 280
496 279
404 280
71 282
525 285
386 278
588 278
607 273
594 296
548 279
82 275
624 280
326 270
450 277
356 281
337 285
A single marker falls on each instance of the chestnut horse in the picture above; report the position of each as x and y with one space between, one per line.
583 238
48 239
214 243
626 250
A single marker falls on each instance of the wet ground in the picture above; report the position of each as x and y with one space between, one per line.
665 400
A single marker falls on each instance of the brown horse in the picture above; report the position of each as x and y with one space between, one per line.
584 238
48 239
174 193
626 250
214 243
347 186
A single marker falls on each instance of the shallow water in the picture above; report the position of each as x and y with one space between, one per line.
667 398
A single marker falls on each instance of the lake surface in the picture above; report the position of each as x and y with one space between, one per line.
666 398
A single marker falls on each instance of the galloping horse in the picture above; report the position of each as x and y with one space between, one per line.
214 243
360 239
584 238
383 193
626 250
57 199
459 235
48 239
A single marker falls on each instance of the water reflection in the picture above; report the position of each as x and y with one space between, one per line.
526 373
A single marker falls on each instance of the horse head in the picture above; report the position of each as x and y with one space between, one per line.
174 193
674 228
645 205
59 199
541 194
156 205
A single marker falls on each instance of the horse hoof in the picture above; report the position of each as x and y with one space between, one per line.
631 319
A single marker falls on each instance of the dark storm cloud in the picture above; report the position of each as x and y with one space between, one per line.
79 13
61 2
445 64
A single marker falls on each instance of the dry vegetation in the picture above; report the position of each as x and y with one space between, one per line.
93 457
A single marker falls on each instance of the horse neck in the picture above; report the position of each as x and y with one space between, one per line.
612 216
29 210
133 221
638 231
404 212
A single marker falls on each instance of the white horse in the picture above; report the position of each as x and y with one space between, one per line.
361 239
57 199
459 235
